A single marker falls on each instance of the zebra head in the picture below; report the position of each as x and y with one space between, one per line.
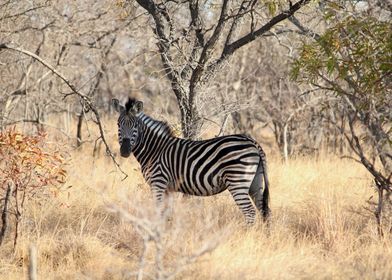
128 124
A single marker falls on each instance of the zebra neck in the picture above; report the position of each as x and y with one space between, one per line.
154 136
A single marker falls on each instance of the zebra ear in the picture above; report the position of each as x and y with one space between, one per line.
117 106
138 107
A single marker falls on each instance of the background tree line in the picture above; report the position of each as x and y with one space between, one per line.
109 50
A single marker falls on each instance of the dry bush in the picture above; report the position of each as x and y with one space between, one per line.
29 167
162 236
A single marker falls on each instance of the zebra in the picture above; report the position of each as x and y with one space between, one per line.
202 168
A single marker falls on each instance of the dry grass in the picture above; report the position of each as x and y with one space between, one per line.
319 228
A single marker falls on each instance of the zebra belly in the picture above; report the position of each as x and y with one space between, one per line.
218 181
200 190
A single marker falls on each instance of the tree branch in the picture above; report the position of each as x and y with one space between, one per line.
229 49
241 12
24 13
304 30
196 24
353 140
85 99
204 56
160 15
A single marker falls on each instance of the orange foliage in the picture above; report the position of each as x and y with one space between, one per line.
28 162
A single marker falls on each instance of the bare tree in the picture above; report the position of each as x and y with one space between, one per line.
192 51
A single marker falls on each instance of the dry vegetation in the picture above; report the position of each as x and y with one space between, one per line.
99 226
320 228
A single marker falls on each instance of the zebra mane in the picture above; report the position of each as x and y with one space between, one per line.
162 126
129 103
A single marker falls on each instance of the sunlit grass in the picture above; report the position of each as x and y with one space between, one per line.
319 228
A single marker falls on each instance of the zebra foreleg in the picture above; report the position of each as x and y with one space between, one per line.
242 199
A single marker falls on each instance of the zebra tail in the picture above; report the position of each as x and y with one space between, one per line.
265 207
265 210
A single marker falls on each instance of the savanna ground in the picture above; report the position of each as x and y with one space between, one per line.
320 228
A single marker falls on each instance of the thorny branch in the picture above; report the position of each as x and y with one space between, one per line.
84 98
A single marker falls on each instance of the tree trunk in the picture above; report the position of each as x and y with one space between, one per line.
285 143
378 210
190 119
383 146
79 130
4 215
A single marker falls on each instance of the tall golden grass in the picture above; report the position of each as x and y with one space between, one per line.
319 229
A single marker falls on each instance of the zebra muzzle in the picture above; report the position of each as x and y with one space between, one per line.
125 149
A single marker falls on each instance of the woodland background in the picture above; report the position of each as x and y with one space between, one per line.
309 80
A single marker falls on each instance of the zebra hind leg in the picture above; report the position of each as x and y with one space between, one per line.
256 191
242 199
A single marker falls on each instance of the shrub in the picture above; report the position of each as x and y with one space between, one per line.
29 168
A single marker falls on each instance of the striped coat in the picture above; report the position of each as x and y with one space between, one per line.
235 163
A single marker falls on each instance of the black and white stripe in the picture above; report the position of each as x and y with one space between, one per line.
235 162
